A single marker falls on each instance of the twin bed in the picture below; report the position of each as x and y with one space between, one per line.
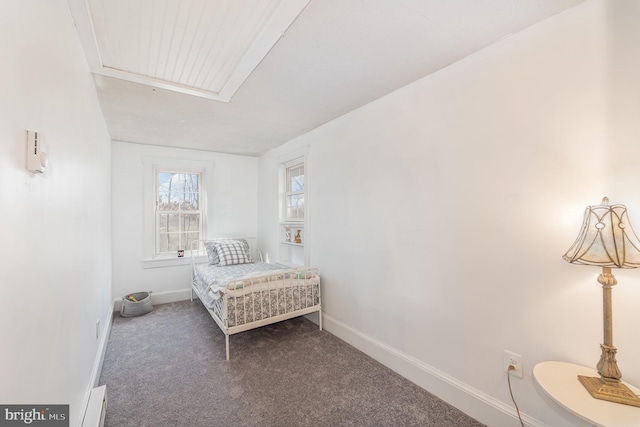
241 292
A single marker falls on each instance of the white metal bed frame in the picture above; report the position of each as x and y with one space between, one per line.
269 281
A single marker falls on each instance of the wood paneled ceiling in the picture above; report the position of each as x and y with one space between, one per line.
204 48
244 76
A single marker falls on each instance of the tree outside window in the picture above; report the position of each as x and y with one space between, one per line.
178 210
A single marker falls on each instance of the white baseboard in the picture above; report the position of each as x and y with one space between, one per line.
471 401
99 360
161 298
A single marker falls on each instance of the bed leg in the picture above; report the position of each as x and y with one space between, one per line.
226 341
191 293
320 318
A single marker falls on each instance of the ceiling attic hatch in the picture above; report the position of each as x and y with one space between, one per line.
206 48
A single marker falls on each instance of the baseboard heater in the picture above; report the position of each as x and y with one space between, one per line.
96 408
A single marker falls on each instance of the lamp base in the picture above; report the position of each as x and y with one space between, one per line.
610 391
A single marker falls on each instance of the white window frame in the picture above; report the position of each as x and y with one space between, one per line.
151 167
300 155
158 212
294 164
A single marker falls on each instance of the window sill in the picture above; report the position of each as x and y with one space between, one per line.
168 261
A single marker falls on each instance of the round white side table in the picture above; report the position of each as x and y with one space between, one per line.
560 381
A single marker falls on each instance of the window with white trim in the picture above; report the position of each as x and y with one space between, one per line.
178 210
294 193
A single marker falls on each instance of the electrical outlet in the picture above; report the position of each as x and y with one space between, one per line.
98 329
515 360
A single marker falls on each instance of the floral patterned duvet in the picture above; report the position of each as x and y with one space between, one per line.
255 291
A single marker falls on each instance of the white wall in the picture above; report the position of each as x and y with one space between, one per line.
439 213
55 255
231 198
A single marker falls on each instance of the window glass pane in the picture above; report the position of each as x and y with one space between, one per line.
297 183
189 192
162 223
295 178
168 226
190 222
178 191
297 200
162 242
295 206
169 242
173 223
166 201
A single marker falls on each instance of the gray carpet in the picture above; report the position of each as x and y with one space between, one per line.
168 368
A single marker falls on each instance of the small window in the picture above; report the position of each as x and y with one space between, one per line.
178 210
294 193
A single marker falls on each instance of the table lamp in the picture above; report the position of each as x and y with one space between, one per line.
607 240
